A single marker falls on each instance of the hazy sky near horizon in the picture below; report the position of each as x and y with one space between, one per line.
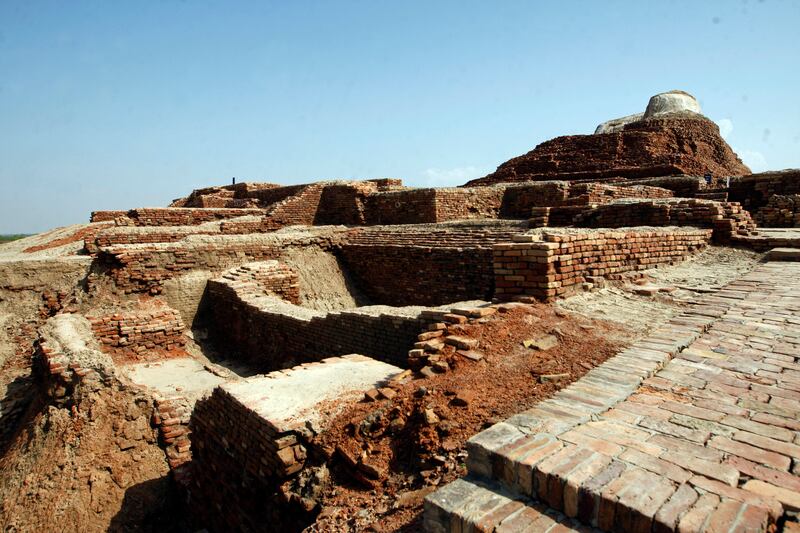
112 105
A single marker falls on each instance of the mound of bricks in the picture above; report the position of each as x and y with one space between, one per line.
694 428
781 211
552 264
140 335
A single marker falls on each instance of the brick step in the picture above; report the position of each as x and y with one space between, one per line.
470 505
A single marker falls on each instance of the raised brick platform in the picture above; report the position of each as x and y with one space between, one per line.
694 426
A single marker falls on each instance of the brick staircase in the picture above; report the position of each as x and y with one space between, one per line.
694 427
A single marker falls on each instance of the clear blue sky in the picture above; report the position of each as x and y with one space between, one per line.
110 105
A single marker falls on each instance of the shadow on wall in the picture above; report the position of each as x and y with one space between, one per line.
151 506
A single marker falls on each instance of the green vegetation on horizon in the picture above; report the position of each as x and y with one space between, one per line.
9 238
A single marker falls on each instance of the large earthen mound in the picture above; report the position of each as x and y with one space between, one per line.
661 143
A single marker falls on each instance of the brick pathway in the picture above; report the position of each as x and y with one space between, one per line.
696 427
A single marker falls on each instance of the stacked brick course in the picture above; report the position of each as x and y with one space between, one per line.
272 333
781 211
172 216
171 417
424 265
559 263
141 335
726 218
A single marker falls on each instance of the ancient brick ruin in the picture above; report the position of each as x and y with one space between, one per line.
285 356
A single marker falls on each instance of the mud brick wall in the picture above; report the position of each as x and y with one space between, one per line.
726 218
755 190
186 216
106 216
413 206
781 211
518 200
139 336
600 193
462 203
144 268
560 263
345 203
420 275
272 334
239 459
143 235
682 186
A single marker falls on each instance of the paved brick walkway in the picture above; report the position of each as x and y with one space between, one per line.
695 428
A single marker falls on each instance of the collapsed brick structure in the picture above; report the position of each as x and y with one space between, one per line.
712 433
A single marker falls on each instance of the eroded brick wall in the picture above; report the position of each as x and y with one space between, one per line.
781 211
560 263
425 265
272 334
726 218
755 190
145 268
106 216
239 458
420 275
173 216
139 336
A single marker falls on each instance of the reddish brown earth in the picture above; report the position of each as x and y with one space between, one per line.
648 148
79 235
404 452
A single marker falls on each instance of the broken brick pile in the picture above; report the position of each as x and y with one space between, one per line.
781 211
443 341
272 333
695 426
139 335
553 264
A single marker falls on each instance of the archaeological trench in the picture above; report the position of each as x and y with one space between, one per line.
602 335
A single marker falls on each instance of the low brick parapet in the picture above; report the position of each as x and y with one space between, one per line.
552 264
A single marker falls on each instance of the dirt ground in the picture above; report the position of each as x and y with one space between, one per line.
407 446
